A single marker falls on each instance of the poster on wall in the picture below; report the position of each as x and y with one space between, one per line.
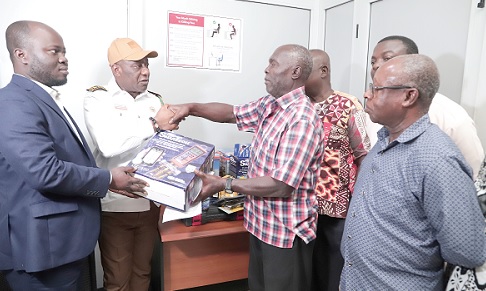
200 41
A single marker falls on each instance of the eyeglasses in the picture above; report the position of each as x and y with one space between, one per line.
373 88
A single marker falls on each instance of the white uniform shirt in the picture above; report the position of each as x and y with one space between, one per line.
119 126
454 120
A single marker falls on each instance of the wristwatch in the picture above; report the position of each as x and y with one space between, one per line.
227 187
155 124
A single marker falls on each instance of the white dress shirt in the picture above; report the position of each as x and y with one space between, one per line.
119 126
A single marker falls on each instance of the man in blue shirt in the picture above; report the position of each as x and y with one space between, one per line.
414 205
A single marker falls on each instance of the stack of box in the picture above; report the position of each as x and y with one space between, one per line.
226 165
239 161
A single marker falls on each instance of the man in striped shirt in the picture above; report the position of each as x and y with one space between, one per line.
286 153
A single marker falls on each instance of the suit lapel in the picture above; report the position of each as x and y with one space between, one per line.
84 142
40 94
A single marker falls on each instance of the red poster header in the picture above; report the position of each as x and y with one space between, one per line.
185 19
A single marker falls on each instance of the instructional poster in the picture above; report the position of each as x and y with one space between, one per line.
198 41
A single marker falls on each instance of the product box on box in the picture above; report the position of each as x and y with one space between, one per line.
167 163
239 161
242 150
238 167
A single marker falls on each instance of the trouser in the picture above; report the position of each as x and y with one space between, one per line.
126 245
327 261
279 269
61 278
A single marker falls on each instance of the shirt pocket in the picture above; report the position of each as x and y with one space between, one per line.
48 208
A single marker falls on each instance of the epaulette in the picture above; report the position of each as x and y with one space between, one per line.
158 96
96 88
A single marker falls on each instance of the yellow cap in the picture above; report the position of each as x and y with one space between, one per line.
127 49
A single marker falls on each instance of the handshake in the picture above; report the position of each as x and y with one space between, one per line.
169 116
162 118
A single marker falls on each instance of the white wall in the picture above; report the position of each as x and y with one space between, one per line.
89 26
87 33
258 41
449 31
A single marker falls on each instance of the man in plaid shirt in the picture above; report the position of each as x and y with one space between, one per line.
286 153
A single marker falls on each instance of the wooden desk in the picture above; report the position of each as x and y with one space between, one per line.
206 254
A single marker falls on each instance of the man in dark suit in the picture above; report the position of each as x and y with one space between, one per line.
50 186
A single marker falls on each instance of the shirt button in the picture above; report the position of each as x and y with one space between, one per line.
349 237
354 214
350 263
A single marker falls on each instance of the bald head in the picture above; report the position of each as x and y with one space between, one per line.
320 57
318 85
18 34
37 52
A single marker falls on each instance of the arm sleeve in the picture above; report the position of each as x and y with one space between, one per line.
358 136
453 209
467 140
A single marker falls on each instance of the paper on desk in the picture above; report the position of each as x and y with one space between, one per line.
173 214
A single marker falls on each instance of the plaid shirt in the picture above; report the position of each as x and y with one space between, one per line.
287 146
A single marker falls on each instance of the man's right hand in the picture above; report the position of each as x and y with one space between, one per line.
163 116
124 183
181 111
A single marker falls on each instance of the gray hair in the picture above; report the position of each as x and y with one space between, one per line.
303 59
419 71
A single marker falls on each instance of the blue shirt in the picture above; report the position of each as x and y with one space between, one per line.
414 206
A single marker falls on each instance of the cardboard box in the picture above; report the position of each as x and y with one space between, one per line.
238 167
242 150
167 163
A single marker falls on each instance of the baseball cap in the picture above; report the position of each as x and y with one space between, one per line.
127 49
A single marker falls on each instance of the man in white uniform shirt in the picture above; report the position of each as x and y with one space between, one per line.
121 117
447 114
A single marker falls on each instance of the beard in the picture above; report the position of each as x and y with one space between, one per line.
39 71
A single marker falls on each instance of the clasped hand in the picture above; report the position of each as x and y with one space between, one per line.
163 116
180 111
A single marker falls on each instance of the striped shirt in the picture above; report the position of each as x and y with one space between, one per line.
287 146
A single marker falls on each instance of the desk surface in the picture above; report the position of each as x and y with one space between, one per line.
177 230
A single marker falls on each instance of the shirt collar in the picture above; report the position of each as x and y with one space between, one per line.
113 87
287 99
56 96
412 132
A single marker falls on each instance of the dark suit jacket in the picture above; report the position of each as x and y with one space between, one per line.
49 184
